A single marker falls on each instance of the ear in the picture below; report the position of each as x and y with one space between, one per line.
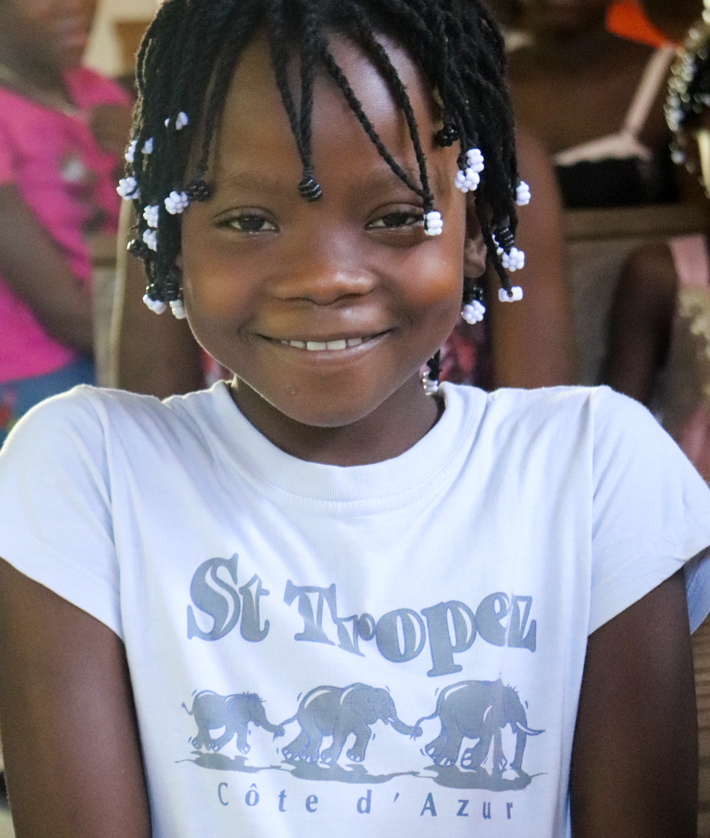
475 253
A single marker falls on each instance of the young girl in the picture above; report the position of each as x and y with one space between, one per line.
62 132
319 599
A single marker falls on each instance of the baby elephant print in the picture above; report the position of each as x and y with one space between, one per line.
478 710
338 712
231 712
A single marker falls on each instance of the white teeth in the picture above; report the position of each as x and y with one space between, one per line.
321 346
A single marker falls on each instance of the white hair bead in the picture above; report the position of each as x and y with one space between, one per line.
475 160
433 223
151 215
522 194
154 305
176 202
468 180
128 189
514 260
181 121
516 294
150 237
473 312
131 152
178 309
148 146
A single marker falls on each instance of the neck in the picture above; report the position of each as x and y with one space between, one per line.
390 430
42 76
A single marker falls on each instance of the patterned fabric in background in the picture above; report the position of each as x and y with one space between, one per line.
466 357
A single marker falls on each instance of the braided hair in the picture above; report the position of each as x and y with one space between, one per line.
185 66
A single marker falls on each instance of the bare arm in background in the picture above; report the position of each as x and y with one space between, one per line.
152 354
36 270
533 342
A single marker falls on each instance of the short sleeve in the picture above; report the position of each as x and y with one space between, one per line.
7 157
90 89
55 505
650 512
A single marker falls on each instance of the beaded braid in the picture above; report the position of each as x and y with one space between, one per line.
185 67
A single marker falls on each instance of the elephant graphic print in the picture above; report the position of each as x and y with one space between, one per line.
470 710
443 726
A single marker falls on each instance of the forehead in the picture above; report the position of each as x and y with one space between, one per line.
255 129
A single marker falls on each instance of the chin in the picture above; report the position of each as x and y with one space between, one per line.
327 413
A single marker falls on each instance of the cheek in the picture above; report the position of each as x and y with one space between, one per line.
436 284
211 285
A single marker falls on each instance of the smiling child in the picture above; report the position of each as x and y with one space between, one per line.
327 596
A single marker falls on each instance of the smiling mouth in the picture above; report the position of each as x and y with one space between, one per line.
329 346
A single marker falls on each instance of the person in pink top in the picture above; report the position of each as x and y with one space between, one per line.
62 131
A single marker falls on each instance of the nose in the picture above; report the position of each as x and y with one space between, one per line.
323 275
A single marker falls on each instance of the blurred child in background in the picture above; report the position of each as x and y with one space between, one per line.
660 326
62 130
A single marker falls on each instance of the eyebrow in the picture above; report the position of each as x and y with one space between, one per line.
379 180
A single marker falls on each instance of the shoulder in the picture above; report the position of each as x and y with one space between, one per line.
96 420
90 88
553 420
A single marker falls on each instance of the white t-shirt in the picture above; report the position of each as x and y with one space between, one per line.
394 648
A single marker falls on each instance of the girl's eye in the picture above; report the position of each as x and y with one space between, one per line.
251 224
397 221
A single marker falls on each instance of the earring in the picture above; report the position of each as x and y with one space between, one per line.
430 380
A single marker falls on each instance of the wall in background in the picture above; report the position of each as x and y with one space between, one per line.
104 52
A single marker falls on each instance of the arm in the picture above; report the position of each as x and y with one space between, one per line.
635 757
533 343
70 741
641 321
154 355
35 269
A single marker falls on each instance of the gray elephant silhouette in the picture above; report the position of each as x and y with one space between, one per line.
338 712
478 710
232 712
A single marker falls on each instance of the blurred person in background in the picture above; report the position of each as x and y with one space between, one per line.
660 326
63 129
595 101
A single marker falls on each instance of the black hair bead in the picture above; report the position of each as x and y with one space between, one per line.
505 238
198 190
447 136
171 283
137 247
309 188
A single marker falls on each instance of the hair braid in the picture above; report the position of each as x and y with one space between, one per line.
382 60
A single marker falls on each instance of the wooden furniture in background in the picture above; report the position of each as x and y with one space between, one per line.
129 34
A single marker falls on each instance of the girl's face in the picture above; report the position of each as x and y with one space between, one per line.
48 32
270 281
